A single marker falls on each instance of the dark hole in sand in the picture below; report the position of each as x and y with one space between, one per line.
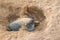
33 10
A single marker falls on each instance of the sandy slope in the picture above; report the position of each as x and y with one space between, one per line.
49 29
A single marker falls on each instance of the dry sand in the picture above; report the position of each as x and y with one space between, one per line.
46 11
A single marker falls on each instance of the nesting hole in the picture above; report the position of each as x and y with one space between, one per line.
38 15
33 10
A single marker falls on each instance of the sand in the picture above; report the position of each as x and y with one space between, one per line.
46 11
